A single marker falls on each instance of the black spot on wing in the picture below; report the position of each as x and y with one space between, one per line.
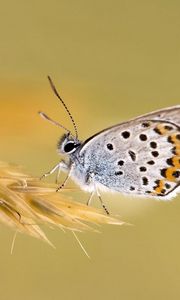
110 146
132 188
155 153
151 162
153 145
125 134
121 162
176 174
132 155
143 137
170 161
118 173
144 180
146 124
142 169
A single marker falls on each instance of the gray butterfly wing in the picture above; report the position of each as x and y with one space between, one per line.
171 114
141 156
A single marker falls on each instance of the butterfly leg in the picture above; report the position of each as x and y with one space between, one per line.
58 167
102 203
98 194
57 175
65 180
90 198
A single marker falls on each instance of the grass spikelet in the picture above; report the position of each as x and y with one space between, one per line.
27 202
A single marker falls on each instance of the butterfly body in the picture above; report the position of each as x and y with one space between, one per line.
138 157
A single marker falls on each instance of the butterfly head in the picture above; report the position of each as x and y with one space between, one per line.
68 144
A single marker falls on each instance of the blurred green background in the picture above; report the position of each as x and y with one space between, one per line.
110 60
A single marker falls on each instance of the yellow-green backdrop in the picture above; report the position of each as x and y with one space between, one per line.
111 60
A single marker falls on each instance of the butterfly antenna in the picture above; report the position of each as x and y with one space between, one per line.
63 103
44 116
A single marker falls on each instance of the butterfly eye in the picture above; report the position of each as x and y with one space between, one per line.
70 147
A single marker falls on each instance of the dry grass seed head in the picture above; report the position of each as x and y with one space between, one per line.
26 202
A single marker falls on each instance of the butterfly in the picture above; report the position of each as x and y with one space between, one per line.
137 157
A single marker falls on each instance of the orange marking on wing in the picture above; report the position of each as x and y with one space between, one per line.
176 161
170 174
160 187
165 129
161 129
177 150
175 139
